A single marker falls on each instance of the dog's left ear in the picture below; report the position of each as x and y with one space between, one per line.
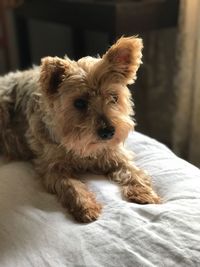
124 59
52 73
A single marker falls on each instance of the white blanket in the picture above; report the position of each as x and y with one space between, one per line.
36 231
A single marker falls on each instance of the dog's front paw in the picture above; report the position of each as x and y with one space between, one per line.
140 194
89 213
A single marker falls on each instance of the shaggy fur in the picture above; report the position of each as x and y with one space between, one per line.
72 117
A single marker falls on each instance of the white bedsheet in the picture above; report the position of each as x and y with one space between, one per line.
36 231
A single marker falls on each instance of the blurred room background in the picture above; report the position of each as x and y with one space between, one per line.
167 92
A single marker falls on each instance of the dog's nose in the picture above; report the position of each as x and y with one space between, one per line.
106 133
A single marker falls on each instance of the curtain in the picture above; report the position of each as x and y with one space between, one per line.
186 130
153 92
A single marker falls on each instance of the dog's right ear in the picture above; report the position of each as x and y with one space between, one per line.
52 73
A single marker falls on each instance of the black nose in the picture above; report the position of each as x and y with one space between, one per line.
106 133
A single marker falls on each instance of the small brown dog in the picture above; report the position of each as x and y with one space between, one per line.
72 117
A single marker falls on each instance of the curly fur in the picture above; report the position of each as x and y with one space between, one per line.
39 121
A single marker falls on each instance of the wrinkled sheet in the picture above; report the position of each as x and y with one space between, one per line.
36 231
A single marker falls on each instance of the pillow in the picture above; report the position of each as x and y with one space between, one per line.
36 231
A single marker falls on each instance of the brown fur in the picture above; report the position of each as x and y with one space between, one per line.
39 119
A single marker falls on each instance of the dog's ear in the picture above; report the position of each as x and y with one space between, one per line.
52 73
124 59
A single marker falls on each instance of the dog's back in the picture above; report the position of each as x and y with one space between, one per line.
16 91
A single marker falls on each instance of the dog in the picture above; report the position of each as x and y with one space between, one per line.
72 117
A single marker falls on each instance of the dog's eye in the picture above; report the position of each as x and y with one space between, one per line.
114 99
80 103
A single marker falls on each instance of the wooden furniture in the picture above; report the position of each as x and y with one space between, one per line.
114 17
4 38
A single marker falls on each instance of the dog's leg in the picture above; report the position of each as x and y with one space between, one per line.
136 183
74 195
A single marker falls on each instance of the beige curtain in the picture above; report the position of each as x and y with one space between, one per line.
186 133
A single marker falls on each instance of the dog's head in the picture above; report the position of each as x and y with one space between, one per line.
89 100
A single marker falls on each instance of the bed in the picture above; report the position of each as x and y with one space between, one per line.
36 231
